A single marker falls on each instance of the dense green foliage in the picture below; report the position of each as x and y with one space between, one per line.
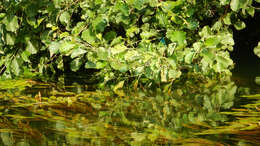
146 40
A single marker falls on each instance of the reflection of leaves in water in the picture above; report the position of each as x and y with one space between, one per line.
102 118
246 124
12 84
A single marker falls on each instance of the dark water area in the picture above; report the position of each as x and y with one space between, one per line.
247 64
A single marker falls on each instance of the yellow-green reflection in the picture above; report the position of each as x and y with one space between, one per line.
184 115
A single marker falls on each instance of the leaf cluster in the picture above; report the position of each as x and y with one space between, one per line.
152 41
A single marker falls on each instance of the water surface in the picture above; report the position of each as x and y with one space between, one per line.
196 112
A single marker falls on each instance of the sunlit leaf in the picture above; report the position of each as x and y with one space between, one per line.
99 24
212 42
25 56
257 50
11 23
177 36
100 65
67 47
77 52
54 48
65 17
189 57
31 47
118 49
15 67
122 67
78 28
10 38
227 19
119 85
75 64
89 36
239 25
234 5
90 65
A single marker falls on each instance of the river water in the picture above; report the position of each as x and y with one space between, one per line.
194 113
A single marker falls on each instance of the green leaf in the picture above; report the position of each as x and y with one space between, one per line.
25 56
65 18
67 47
234 5
251 11
162 18
222 64
123 7
192 24
90 65
217 26
212 42
54 48
118 49
10 38
174 74
116 41
132 55
208 55
2 15
119 85
147 35
172 62
189 57
257 80
132 31
138 4
205 32
100 65
257 50
122 67
15 67
99 24
75 64
177 36
77 52
170 5
102 53
239 25
224 2
227 19
60 63
88 36
31 48
110 35
78 28
11 23
163 74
